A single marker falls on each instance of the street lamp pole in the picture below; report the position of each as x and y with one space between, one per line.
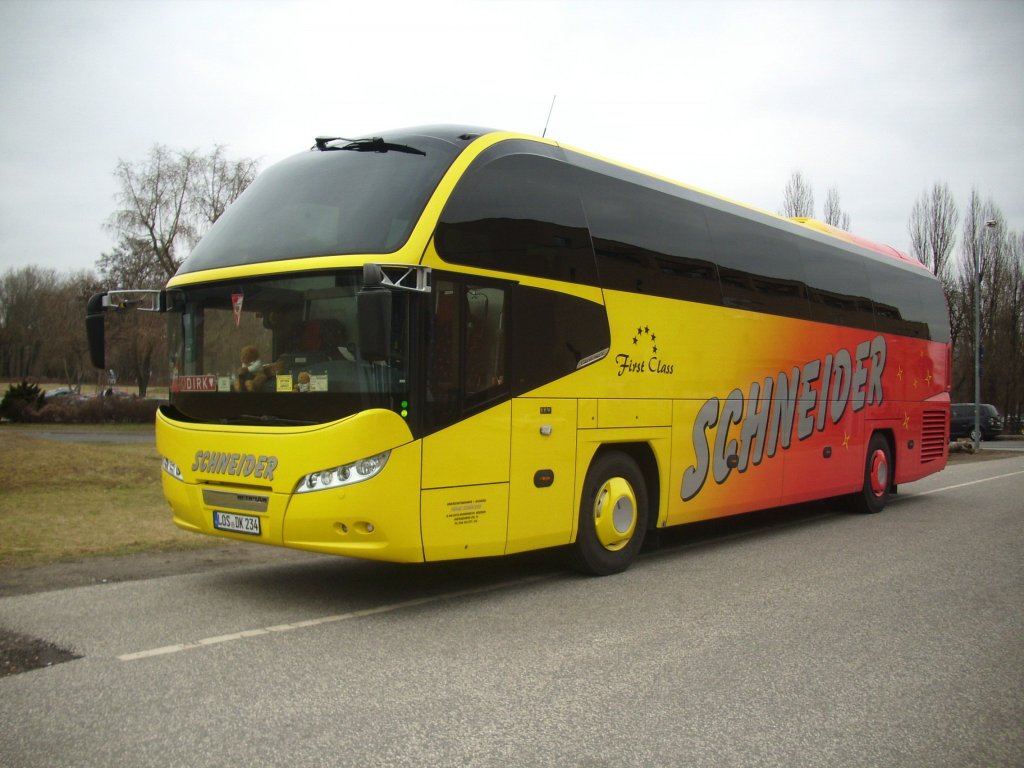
989 224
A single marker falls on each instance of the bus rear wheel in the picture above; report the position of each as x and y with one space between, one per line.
613 515
878 469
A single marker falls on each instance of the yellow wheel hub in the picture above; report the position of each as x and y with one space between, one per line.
615 514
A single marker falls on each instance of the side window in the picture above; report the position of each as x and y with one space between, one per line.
466 349
443 354
759 266
647 241
837 286
899 305
484 375
518 213
551 335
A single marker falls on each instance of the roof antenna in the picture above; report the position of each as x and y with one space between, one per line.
552 109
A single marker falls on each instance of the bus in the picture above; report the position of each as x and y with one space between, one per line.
449 342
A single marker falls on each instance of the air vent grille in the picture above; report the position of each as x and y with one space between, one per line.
934 439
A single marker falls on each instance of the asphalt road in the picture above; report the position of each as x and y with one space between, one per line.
800 637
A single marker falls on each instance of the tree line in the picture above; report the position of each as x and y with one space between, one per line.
168 200
164 204
980 263
976 258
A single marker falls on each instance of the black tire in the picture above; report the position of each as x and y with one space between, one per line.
613 516
878 477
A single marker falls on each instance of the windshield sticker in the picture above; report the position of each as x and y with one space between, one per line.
206 383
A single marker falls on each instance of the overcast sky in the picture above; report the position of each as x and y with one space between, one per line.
880 99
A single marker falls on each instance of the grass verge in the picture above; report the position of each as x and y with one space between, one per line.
67 501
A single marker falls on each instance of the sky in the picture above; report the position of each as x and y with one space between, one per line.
878 98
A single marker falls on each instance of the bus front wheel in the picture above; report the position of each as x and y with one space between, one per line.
613 515
877 477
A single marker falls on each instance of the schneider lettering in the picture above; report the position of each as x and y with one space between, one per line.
809 397
235 464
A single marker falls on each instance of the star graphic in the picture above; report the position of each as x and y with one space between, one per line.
639 331
899 373
647 329
906 420
846 440
634 339
928 378
655 350
653 337
915 382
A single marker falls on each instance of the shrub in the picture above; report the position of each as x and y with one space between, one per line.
94 410
20 401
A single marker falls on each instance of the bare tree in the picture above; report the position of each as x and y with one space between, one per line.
981 274
65 350
932 229
219 183
798 198
1011 329
24 300
166 203
834 215
154 206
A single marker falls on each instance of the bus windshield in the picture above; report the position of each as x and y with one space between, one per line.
326 203
281 350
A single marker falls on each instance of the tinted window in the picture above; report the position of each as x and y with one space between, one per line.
466 350
518 213
489 340
899 301
759 265
838 286
444 353
550 335
647 241
935 311
326 203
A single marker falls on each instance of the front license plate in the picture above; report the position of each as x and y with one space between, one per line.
229 521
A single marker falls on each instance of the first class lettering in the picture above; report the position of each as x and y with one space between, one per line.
809 398
236 464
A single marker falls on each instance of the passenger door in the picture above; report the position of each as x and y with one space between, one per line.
464 509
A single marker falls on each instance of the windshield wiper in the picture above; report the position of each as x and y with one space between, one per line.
375 144
266 418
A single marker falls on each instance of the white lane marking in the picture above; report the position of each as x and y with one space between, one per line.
234 636
964 485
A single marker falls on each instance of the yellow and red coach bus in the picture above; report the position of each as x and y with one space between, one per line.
447 342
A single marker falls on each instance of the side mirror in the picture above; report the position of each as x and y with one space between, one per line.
94 330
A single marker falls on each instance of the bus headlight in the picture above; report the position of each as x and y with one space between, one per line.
172 469
345 474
